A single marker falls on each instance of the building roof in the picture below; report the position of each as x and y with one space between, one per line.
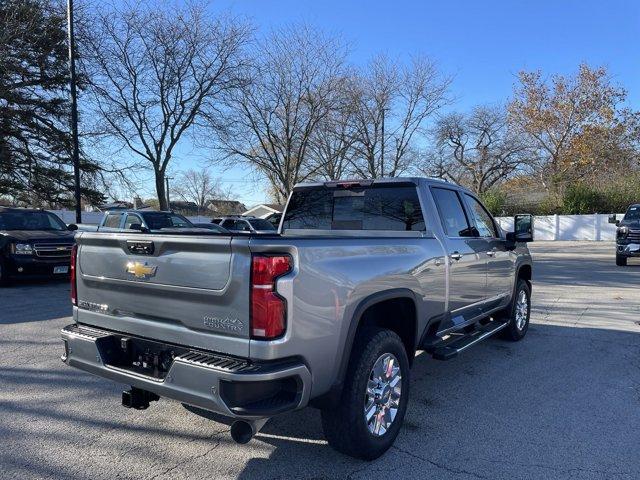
273 207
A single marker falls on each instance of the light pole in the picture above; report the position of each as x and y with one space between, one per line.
74 111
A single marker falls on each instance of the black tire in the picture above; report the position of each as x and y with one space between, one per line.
513 331
4 274
345 427
621 261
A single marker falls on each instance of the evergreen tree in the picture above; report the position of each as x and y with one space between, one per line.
35 140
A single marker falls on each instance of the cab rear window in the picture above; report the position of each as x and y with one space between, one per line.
377 207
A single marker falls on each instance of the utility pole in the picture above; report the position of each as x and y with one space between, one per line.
382 146
74 112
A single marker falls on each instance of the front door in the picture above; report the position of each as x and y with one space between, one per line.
467 258
500 261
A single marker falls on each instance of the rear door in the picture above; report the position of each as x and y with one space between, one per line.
181 289
467 257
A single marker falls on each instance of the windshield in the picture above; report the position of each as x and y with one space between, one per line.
30 221
160 220
633 214
260 224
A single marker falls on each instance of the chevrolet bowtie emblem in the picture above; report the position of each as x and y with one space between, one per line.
140 270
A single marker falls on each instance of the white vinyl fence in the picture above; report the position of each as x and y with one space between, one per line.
550 227
593 227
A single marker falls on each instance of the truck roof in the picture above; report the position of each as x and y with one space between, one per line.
377 181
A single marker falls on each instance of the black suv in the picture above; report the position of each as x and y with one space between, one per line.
627 235
33 243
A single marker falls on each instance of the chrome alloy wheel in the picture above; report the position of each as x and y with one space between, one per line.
382 399
522 309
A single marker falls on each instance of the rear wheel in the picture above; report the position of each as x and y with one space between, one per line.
518 312
621 261
4 278
374 400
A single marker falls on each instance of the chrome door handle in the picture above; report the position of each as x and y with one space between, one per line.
456 256
491 253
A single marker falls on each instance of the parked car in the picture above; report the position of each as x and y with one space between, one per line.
211 226
328 313
142 220
33 243
240 224
627 235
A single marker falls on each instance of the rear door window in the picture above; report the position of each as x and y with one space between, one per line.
454 219
112 220
241 226
378 207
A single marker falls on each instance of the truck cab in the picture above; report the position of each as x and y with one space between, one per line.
142 220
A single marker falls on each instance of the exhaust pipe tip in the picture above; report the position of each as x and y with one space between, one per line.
242 432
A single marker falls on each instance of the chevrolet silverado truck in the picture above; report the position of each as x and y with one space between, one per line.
627 235
33 243
329 312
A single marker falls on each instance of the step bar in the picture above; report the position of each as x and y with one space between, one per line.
450 347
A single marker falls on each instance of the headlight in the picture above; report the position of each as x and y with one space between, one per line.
22 249
622 232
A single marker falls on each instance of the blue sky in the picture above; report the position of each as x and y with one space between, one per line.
481 44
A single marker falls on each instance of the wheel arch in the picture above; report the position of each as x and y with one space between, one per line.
371 311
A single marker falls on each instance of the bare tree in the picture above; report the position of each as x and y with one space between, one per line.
274 117
331 149
156 72
476 149
392 104
200 187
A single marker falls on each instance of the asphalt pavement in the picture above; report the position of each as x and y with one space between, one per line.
562 404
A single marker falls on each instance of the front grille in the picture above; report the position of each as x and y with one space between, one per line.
634 236
53 250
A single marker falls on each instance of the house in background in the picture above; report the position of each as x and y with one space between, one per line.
225 207
268 211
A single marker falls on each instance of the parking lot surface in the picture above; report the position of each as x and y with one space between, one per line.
563 403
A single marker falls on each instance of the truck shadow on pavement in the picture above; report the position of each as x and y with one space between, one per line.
563 402
545 406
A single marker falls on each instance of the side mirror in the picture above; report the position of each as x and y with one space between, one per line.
72 227
614 220
523 228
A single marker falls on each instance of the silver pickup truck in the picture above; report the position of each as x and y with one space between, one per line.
328 312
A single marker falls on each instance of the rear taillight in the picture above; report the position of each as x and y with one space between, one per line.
74 290
268 309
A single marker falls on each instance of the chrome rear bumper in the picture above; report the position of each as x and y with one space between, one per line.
234 387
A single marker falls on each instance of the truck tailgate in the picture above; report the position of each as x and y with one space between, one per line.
181 289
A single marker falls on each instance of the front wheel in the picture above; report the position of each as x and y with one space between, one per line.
621 261
518 312
374 400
